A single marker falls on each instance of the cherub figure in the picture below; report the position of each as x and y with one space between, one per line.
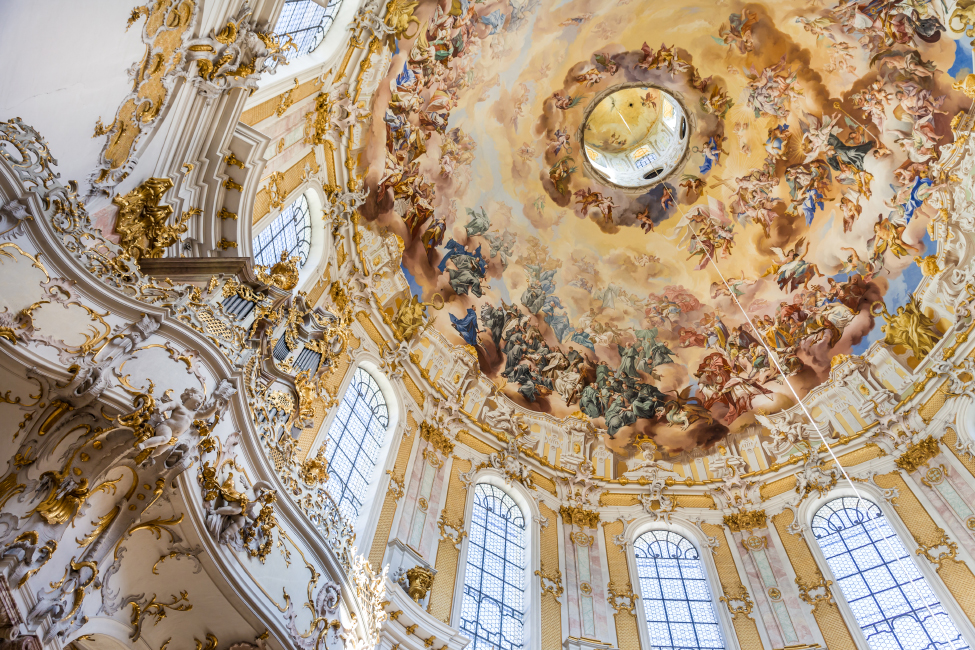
565 102
590 77
561 141
738 33
167 431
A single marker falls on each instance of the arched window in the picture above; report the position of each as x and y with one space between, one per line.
493 610
306 22
290 232
676 598
893 604
354 440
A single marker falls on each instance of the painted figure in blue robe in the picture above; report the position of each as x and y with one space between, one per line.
915 202
495 20
712 154
778 138
455 249
582 338
433 236
406 77
560 325
813 200
466 326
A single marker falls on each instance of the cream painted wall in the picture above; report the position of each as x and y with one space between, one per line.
64 66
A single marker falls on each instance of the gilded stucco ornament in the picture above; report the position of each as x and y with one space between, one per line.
234 518
314 471
437 438
282 274
168 25
621 598
738 601
420 582
746 520
410 317
817 592
141 221
576 516
235 55
551 582
909 326
918 454
453 532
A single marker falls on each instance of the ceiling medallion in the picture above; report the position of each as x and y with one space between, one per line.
634 136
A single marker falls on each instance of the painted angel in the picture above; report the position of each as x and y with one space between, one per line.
816 133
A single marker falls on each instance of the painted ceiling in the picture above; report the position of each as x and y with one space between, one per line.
812 129
623 120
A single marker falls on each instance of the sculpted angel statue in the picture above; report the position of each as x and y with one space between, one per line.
409 319
168 431
909 327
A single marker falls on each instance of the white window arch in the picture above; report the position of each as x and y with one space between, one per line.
355 438
495 588
678 606
289 232
306 22
890 599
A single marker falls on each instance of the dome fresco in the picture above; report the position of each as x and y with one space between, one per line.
634 136
799 203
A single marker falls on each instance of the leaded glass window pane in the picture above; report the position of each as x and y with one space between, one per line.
306 22
493 609
290 232
675 593
892 602
353 444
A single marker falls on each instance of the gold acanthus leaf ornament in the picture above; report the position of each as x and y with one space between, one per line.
314 471
283 274
141 221
436 437
276 189
287 99
745 520
579 516
918 454
420 581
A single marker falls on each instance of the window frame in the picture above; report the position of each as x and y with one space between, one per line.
365 523
696 537
303 233
533 594
809 509
322 250
330 13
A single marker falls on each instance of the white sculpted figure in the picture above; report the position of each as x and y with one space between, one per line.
167 432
